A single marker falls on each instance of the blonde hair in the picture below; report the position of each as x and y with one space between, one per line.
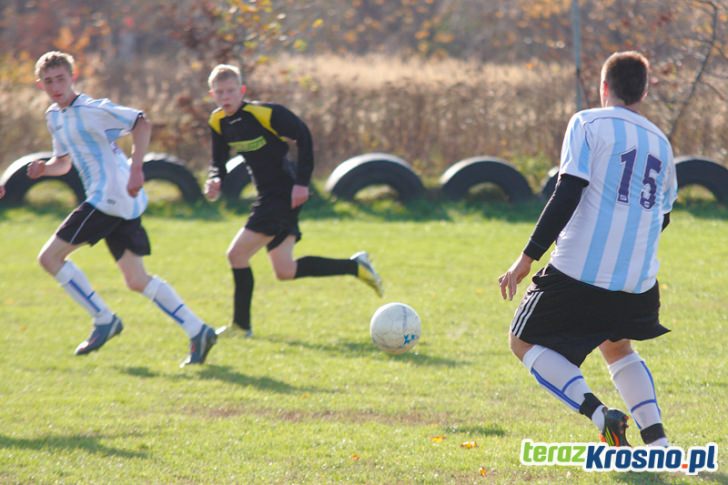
53 59
222 72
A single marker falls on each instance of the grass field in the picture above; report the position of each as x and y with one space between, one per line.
309 399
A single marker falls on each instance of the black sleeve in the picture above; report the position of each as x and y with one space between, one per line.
555 215
220 156
665 221
291 126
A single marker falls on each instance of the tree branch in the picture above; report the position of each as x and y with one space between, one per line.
701 70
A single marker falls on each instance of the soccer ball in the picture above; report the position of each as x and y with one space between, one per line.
395 328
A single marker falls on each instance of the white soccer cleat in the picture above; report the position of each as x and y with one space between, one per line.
234 331
367 273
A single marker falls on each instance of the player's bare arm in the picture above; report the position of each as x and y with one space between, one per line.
212 188
515 274
299 195
141 134
555 215
54 167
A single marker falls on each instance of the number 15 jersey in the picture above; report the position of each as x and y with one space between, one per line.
611 240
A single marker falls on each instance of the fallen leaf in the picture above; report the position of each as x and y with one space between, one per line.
483 471
468 444
437 439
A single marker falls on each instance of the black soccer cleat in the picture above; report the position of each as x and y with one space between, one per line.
614 432
99 336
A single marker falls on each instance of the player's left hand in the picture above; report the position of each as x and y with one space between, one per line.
2 191
299 195
136 181
515 274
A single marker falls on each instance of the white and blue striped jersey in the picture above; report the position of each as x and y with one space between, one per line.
86 130
611 240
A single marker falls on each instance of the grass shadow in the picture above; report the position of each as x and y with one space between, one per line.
142 372
667 477
49 208
431 207
230 376
200 210
361 349
226 374
89 444
703 209
481 430
321 206
528 211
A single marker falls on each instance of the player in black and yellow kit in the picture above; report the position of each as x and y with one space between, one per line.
258 131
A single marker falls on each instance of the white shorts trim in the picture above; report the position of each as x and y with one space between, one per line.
524 312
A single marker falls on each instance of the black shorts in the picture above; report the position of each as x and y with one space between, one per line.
87 224
272 215
573 318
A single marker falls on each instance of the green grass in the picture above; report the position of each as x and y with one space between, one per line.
309 399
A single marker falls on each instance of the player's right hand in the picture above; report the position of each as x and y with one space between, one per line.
2 191
36 169
508 282
212 188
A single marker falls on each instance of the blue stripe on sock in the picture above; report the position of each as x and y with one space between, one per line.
652 382
555 390
170 313
648 401
84 295
563 389
643 403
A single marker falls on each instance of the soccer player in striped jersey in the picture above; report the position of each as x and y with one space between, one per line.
84 131
259 132
613 198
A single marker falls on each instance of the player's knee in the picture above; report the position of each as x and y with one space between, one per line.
518 346
614 351
136 282
48 262
285 273
43 260
237 258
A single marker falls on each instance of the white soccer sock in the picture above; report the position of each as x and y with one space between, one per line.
598 417
634 382
77 285
561 378
167 299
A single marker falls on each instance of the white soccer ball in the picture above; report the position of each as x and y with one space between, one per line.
395 328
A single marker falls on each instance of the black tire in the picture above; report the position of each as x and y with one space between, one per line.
371 169
17 183
160 166
236 179
550 184
706 173
465 174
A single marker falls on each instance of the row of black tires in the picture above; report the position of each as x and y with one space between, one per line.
364 171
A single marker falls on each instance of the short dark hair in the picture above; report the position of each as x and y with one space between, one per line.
626 74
